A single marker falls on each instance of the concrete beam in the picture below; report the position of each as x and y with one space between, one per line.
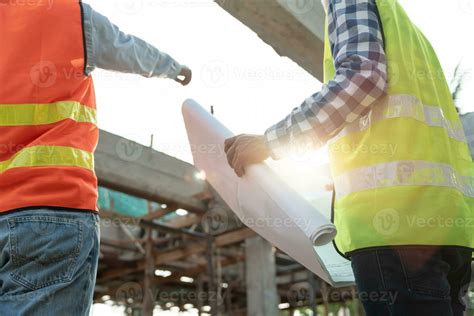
187 250
262 294
126 166
294 28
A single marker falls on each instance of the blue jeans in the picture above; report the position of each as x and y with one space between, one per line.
48 262
410 281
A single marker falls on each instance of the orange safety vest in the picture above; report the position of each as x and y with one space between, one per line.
48 126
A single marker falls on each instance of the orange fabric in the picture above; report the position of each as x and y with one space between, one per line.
41 62
65 133
67 187
42 56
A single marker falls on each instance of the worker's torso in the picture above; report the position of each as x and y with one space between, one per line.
48 130
403 173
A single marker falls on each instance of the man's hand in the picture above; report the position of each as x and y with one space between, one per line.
244 150
185 76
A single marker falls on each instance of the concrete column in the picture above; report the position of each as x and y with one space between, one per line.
262 295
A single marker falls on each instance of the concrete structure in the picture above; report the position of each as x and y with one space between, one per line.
294 28
262 296
126 166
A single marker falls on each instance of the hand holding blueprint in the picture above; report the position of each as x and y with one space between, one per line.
292 222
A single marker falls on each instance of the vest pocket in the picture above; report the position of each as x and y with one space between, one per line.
44 249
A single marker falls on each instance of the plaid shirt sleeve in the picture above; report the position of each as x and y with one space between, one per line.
357 45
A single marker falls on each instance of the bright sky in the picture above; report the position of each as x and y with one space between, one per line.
250 86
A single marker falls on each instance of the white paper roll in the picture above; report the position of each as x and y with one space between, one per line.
260 199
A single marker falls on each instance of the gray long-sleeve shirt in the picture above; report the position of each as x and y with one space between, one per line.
110 49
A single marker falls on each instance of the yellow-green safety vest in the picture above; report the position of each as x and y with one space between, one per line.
403 173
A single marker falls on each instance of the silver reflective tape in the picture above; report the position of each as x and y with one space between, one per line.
404 106
468 123
403 173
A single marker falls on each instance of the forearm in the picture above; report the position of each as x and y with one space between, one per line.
110 49
360 80
324 114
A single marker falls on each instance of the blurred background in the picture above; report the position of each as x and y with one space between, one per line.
237 51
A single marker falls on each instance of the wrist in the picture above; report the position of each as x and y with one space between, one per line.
175 70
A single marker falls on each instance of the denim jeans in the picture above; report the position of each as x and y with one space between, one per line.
409 281
48 262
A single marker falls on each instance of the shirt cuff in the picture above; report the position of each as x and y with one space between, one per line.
173 71
277 142
282 144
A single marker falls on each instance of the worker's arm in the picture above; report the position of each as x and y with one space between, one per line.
361 78
110 49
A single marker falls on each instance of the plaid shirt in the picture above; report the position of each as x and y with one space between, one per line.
361 78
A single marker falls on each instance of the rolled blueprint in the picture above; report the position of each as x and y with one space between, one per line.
260 199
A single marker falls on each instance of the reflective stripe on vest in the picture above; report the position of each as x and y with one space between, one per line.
404 106
403 173
39 114
42 156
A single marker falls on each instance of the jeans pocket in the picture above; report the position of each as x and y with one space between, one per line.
426 272
44 249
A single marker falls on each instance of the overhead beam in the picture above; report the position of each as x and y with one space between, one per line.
128 167
294 28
